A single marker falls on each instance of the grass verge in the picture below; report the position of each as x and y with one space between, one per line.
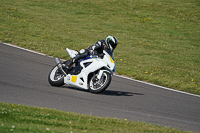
19 119
158 40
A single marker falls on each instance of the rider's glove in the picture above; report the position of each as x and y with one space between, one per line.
91 52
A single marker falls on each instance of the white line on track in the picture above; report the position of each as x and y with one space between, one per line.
23 48
158 86
114 74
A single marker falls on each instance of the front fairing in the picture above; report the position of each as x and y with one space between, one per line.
110 60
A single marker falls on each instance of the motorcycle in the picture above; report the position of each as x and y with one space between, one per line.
94 73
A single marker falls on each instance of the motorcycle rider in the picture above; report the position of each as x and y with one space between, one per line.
109 43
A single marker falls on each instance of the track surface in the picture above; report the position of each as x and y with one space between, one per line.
23 80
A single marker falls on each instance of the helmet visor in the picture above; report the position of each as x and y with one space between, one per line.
112 44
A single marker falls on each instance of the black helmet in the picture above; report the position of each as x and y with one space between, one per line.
111 42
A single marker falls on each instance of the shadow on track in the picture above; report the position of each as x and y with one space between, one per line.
106 92
119 93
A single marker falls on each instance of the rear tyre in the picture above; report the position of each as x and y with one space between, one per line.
99 85
56 77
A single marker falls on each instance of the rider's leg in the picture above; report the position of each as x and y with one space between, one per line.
82 54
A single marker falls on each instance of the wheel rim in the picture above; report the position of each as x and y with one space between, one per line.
96 83
56 74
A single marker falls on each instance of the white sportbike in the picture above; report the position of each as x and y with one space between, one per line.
92 73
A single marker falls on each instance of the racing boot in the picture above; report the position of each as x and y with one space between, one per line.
69 63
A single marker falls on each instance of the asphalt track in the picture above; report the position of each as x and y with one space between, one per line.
23 80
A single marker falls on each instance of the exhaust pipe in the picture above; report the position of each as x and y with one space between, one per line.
59 64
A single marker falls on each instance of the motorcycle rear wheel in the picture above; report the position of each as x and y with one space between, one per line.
99 85
56 77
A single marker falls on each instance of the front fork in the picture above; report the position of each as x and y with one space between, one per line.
100 74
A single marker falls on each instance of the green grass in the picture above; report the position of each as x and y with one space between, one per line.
159 40
19 118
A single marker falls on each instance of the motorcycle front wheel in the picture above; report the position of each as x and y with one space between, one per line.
56 77
99 85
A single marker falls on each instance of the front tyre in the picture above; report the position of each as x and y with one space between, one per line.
99 85
56 77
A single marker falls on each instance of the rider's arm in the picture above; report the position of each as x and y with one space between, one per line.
96 45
